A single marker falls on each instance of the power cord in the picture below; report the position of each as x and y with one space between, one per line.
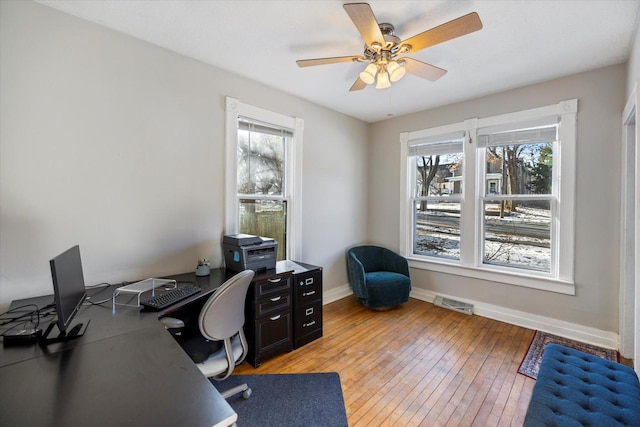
26 318
102 286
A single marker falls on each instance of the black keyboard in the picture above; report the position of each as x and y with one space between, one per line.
172 296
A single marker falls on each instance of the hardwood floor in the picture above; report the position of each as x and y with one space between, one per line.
417 365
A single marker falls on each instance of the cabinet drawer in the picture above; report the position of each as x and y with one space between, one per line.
272 303
308 319
272 285
308 287
274 331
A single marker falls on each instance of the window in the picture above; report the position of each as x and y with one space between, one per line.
262 168
263 175
483 197
517 214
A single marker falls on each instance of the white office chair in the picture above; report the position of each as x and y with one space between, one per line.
221 319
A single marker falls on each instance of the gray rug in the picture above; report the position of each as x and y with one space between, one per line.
531 361
287 400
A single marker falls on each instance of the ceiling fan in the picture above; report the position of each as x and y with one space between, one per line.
383 49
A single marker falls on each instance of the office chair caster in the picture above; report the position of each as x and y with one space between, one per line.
246 393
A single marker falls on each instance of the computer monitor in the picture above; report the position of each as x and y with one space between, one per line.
69 293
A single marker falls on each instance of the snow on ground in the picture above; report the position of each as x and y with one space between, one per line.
502 248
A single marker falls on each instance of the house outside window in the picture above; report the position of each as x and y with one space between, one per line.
263 175
483 197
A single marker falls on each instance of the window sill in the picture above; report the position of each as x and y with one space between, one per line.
524 280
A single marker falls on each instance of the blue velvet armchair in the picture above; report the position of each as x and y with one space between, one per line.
379 277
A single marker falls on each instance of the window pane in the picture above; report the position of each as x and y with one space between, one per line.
438 175
519 169
437 229
260 163
518 235
266 218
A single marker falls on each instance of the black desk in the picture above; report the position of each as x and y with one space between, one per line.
126 370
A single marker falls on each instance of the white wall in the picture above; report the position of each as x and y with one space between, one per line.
117 145
601 95
633 65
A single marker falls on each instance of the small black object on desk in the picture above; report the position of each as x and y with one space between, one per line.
21 337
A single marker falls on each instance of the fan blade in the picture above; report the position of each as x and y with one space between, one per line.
324 61
422 69
458 27
366 23
358 85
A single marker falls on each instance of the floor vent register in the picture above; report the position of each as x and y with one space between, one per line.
454 305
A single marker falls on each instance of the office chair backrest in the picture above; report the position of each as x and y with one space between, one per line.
222 316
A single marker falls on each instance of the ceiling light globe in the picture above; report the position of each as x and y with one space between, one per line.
383 80
369 74
396 72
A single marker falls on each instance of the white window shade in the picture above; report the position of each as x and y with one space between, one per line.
540 122
266 128
522 132
436 145
524 136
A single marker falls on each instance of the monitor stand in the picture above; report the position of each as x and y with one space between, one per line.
73 332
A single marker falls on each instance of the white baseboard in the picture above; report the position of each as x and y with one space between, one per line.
336 293
514 317
532 321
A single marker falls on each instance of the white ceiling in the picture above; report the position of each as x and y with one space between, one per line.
522 42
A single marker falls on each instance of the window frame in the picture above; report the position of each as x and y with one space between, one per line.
561 277
292 187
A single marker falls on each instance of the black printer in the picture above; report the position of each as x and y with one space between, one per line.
248 252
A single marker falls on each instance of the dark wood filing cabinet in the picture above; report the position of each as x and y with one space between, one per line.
269 317
307 303
283 310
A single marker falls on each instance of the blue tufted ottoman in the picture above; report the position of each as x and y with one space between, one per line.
578 389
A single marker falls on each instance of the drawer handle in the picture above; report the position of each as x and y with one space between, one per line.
306 294
275 299
275 317
276 280
306 325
